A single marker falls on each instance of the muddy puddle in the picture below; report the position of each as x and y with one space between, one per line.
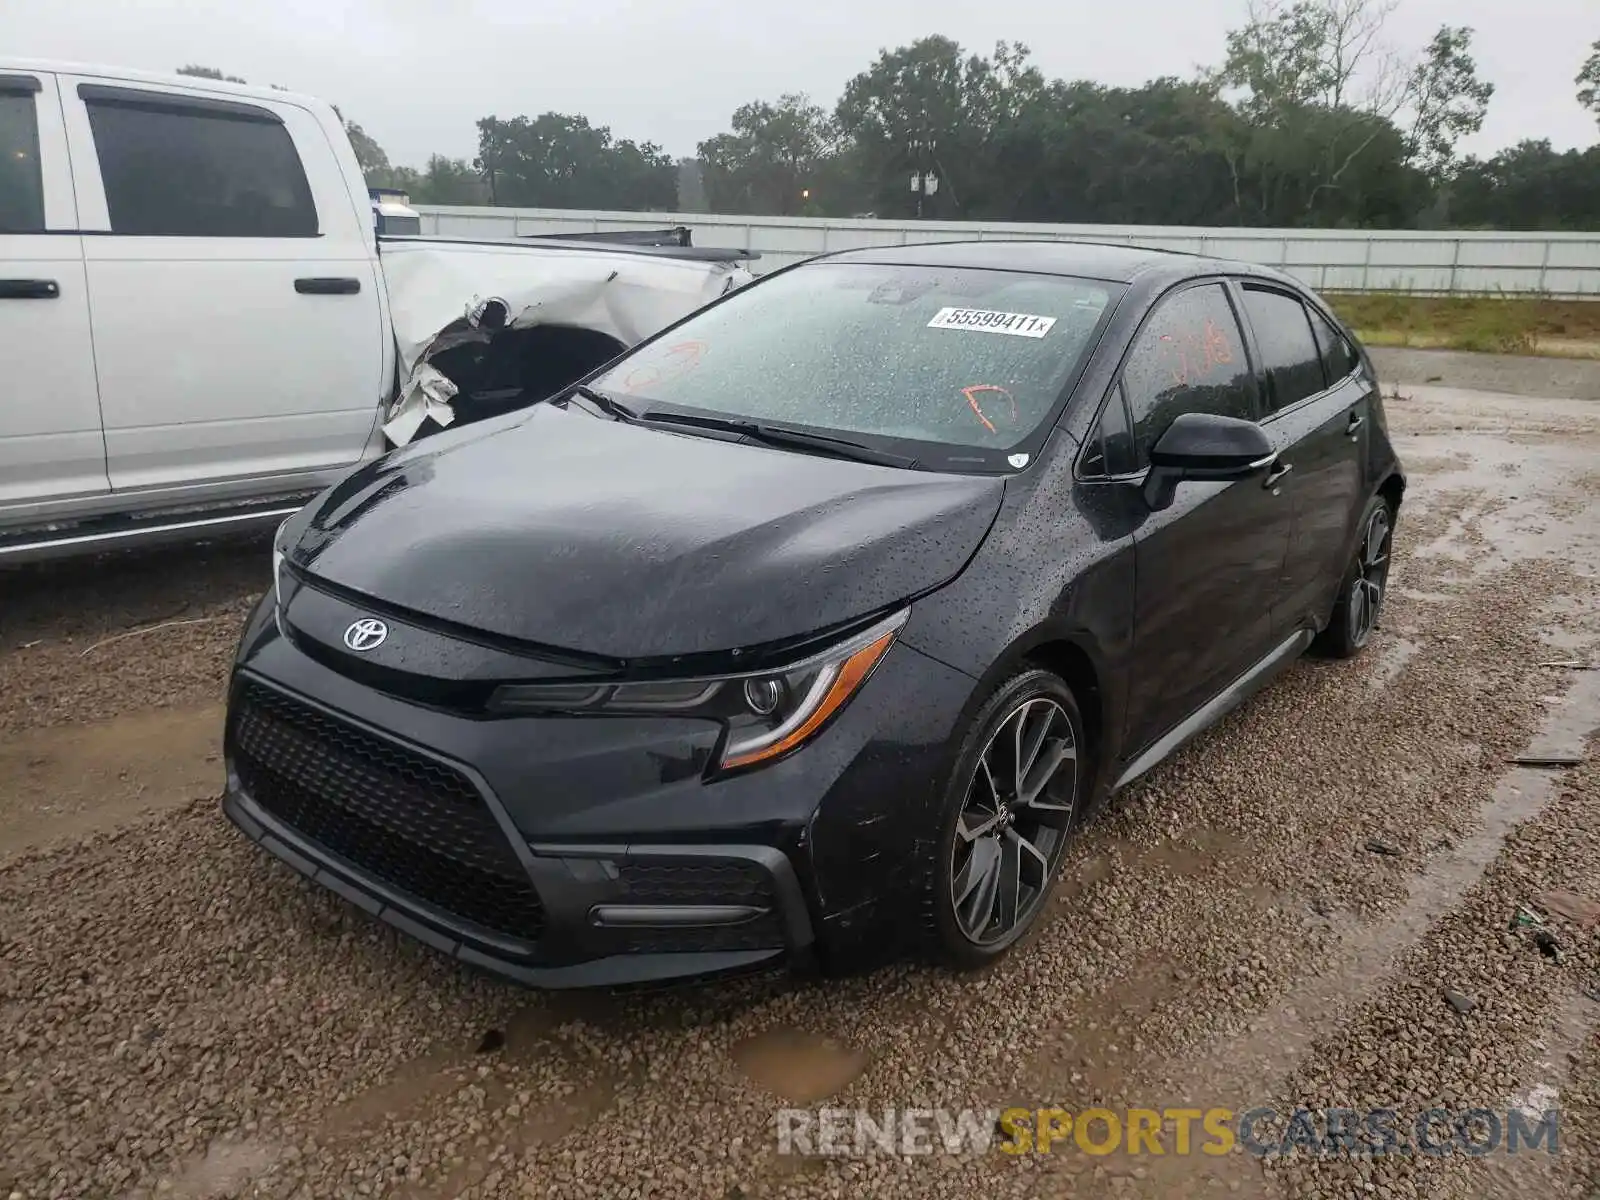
66 781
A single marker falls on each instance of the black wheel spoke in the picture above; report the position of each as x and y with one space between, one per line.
988 776
1034 867
1008 893
975 822
977 885
1055 754
1030 740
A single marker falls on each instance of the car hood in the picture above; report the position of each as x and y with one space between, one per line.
588 535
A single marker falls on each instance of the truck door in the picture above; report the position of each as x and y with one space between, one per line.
232 276
51 447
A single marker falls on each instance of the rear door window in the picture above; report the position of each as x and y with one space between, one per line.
1339 358
184 169
21 181
1189 357
1289 356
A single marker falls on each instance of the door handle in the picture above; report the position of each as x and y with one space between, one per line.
29 289
1275 475
327 286
1356 422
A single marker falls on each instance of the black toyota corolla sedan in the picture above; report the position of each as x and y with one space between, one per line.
810 628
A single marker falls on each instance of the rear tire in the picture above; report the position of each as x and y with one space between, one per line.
1365 585
1005 815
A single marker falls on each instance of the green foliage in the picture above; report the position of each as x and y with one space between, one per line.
774 155
1495 323
561 161
1529 186
1310 120
1448 99
374 162
1588 82
198 72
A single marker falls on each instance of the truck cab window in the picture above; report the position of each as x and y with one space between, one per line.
192 173
21 182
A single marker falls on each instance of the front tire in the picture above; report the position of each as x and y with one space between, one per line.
1365 585
1007 810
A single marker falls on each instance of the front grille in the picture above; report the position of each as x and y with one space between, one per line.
408 821
702 881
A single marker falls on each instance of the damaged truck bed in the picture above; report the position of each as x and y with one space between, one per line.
485 327
216 331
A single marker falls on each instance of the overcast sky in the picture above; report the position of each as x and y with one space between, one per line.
417 73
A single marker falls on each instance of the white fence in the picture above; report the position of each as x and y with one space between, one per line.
1561 264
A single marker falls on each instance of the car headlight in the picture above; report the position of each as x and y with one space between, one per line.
767 713
278 556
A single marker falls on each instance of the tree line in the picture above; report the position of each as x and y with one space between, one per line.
1312 119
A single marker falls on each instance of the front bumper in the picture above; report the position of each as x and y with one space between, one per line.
581 853
566 882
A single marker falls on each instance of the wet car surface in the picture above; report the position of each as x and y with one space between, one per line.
809 629
176 1007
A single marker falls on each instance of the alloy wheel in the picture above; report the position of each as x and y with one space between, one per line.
1013 821
1371 575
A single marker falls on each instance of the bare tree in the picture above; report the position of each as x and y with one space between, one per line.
1331 54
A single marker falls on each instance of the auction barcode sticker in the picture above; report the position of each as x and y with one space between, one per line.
985 321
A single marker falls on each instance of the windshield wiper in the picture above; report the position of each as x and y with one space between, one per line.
773 435
607 404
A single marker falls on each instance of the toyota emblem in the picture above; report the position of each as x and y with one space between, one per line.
366 634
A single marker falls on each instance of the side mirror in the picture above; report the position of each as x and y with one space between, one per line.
1204 446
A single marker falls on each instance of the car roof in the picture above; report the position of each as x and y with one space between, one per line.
1090 260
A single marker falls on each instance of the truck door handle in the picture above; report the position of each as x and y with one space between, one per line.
327 286
1275 474
1356 422
29 289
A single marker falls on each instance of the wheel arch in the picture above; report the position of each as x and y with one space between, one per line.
1066 652
1393 489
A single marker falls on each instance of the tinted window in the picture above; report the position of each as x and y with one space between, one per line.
194 174
955 357
1118 436
1288 352
1338 355
1093 465
1189 357
21 184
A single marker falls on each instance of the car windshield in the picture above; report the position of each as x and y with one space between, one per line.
943 362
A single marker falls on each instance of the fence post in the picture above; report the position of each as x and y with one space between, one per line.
1455 262
1544 265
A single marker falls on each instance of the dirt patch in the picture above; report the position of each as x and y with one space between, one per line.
796 1066
67 781
88 639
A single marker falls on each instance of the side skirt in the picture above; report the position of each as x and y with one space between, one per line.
1217 707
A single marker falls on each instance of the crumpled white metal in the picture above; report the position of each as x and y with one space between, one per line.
434 283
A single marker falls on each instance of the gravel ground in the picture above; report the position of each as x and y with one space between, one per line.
180 1016
1577 378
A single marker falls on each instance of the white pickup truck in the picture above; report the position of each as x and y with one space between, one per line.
200 326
